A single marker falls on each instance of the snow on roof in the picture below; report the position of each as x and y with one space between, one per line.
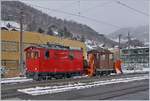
135 48
10 25
89 47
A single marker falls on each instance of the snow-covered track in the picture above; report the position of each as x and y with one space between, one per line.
56 89
14 80
11 90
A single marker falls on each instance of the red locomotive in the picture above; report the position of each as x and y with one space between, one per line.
56 61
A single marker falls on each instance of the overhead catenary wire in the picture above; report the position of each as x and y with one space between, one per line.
125 5
88 18
99 5
118 2
72 14
68 5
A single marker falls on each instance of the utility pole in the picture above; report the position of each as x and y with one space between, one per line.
79 8
119 44
128 57
21 43
128 40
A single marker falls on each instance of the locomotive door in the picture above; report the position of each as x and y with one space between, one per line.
97 60
102 61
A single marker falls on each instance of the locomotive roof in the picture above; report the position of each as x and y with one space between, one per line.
100 50
52 46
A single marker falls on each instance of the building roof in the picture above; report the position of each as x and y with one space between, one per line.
10 25
101 50
136 48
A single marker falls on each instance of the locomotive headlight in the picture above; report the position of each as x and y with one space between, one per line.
35 68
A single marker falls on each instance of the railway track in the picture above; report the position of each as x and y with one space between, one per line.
10 91
125 91
6 87
109 94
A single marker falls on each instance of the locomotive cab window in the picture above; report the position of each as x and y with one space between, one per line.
36 55
32 55
28 55
47 54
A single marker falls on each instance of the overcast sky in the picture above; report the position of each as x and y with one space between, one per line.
98 10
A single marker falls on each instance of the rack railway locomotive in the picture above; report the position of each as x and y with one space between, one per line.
56 61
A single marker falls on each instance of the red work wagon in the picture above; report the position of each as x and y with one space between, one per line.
47 61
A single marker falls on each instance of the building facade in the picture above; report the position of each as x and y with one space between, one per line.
135 56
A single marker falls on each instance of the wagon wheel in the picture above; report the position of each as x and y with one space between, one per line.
37 77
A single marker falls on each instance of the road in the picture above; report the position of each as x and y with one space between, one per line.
134 90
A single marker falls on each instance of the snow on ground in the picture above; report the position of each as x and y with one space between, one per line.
137 68
56 89
146 69
14 80
84 76
136 71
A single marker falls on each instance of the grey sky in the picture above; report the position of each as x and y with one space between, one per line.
102 10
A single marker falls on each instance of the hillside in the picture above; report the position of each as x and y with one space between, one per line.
35 19
140 33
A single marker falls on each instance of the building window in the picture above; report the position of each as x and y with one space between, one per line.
146 51
140 51
125 51
135 52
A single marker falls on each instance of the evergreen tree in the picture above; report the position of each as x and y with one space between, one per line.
82 38
50 31
67 33
61 33
78 37
32 26
40 30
